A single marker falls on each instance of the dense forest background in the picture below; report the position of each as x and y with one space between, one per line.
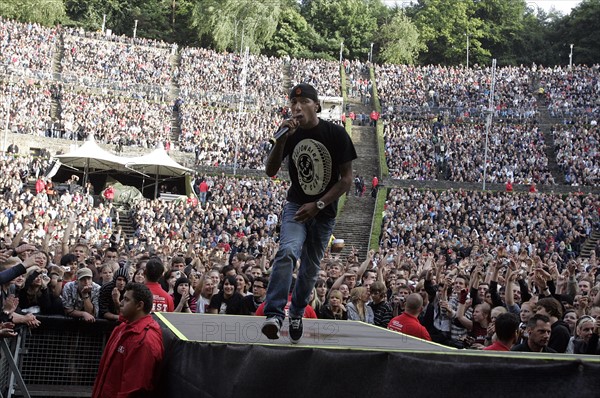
422 32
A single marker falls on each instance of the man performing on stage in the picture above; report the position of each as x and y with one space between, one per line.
320 157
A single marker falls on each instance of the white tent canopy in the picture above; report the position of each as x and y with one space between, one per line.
153 165
91 156
157 162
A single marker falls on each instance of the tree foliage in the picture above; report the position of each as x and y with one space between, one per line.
428 31
534 44
580 28
295 37
399 41
502 24
353 22
44 12
235 24
90 14
444 26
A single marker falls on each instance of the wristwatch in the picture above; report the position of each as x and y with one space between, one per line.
320 204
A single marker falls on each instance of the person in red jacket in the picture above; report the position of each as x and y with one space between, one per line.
109 194
130 362
203 188
40 186
408 323
374 117
532 188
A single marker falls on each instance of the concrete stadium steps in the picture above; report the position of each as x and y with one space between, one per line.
31 184
126 222
353 224
287 81
545 125
590 244
175 127
354 221
367 163
59 51
545 122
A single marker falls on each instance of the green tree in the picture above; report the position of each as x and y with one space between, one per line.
183 33
399 41
235 24
444 25
502 23
352 21
44 12
157 19
535 41
89 14
296 38
580 28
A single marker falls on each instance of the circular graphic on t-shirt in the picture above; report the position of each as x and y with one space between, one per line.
313 162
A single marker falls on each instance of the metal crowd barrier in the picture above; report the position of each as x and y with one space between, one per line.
58 359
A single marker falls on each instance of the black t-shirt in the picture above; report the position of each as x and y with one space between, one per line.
314 159
230 306
524 347
249 305
560 336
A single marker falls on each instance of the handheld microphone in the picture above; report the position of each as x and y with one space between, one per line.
280 133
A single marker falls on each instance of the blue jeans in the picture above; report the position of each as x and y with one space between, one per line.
307 242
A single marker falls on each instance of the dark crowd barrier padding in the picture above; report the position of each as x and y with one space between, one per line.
258 369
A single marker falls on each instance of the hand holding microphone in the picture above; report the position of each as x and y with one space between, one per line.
287 125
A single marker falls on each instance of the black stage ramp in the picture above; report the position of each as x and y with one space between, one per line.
227 356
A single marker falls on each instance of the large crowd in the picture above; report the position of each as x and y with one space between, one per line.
26 47
358 86
206 76
407 90
456 220
236 210
461 252
213 134
96 62
457 261
572 94
573 99
30 102
577 153
322 75
210 85
115 120
421 150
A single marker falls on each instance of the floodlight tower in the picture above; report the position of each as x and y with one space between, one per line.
488 124
241 108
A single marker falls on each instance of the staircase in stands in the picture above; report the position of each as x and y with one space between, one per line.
354 222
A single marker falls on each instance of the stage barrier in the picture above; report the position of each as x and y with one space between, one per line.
58 359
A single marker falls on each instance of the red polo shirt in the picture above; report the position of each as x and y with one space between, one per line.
410 325
161 300
309 312
497 346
